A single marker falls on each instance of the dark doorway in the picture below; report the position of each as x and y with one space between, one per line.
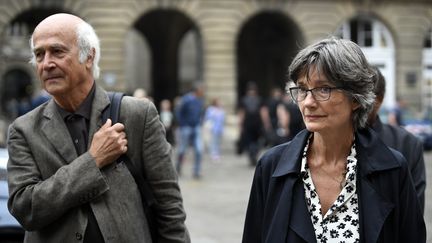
16 92
164 31
16 85
34 16
266 45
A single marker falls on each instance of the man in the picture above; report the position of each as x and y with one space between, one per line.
270 119
398 138
251 115
189 117
64 182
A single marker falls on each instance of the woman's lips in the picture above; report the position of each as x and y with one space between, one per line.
313 117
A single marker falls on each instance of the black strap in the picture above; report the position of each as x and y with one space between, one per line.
147 198
113 110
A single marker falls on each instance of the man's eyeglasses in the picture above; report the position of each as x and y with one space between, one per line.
319 93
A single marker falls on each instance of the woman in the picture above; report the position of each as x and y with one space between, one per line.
335 181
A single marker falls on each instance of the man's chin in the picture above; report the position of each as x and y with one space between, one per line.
54 89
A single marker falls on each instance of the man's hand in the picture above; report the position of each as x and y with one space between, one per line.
108 143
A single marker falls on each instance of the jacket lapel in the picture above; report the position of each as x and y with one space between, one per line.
57 133
292 196
374 208
100 103
374 157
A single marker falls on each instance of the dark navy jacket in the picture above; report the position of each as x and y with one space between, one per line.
411 148
389 208
190 110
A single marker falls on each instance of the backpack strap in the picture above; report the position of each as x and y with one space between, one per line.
113 110
147 198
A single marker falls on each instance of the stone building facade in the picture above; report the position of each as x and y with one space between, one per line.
166 45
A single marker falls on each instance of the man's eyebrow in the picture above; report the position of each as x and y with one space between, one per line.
53 46
37 49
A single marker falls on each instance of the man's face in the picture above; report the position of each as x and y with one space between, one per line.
57 62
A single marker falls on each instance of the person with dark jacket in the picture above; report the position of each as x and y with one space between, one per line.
398 138
336 181
189 115
250 114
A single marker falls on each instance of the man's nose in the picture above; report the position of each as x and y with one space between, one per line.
47 62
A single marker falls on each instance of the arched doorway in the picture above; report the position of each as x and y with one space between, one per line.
17 85
172 43
16 92
377 44
266 45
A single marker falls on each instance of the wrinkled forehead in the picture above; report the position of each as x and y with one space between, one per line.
312 74
63 26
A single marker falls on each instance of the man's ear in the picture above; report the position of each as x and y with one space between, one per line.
90 58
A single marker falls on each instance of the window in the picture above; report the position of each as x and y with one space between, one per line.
366 32
377 44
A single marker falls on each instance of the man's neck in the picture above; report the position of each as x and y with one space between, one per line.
73 99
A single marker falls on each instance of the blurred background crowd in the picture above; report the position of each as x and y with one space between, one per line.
238 52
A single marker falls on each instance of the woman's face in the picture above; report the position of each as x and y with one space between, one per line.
332 115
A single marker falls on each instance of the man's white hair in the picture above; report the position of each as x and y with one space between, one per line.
86 41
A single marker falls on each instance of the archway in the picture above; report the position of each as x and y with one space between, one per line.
176 57
17 85
266 45
16 92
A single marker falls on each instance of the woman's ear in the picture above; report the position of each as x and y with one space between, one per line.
355 104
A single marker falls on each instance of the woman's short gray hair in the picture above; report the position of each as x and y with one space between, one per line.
344 64
86 40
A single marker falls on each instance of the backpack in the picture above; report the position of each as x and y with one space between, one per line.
147 198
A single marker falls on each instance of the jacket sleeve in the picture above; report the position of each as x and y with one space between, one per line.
255 211
418 172
161 174
37 200
412 226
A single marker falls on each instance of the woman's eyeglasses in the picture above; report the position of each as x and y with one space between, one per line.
319 93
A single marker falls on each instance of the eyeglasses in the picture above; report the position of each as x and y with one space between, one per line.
319 93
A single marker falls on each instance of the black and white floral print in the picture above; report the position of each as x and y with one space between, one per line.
341 222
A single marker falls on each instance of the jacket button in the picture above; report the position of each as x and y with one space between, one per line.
78 236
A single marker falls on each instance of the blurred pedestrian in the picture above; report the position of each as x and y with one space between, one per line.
189 117
141 93
167 118
397 113
250 123
270 118
336 181
215 119
41 97
292 121
398 138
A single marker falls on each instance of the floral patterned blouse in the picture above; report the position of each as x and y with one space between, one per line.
341 222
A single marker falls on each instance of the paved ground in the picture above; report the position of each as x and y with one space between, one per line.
216 204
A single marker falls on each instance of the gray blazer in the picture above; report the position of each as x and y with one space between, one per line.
49 184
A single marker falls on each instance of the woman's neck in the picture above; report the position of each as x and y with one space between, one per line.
331 148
